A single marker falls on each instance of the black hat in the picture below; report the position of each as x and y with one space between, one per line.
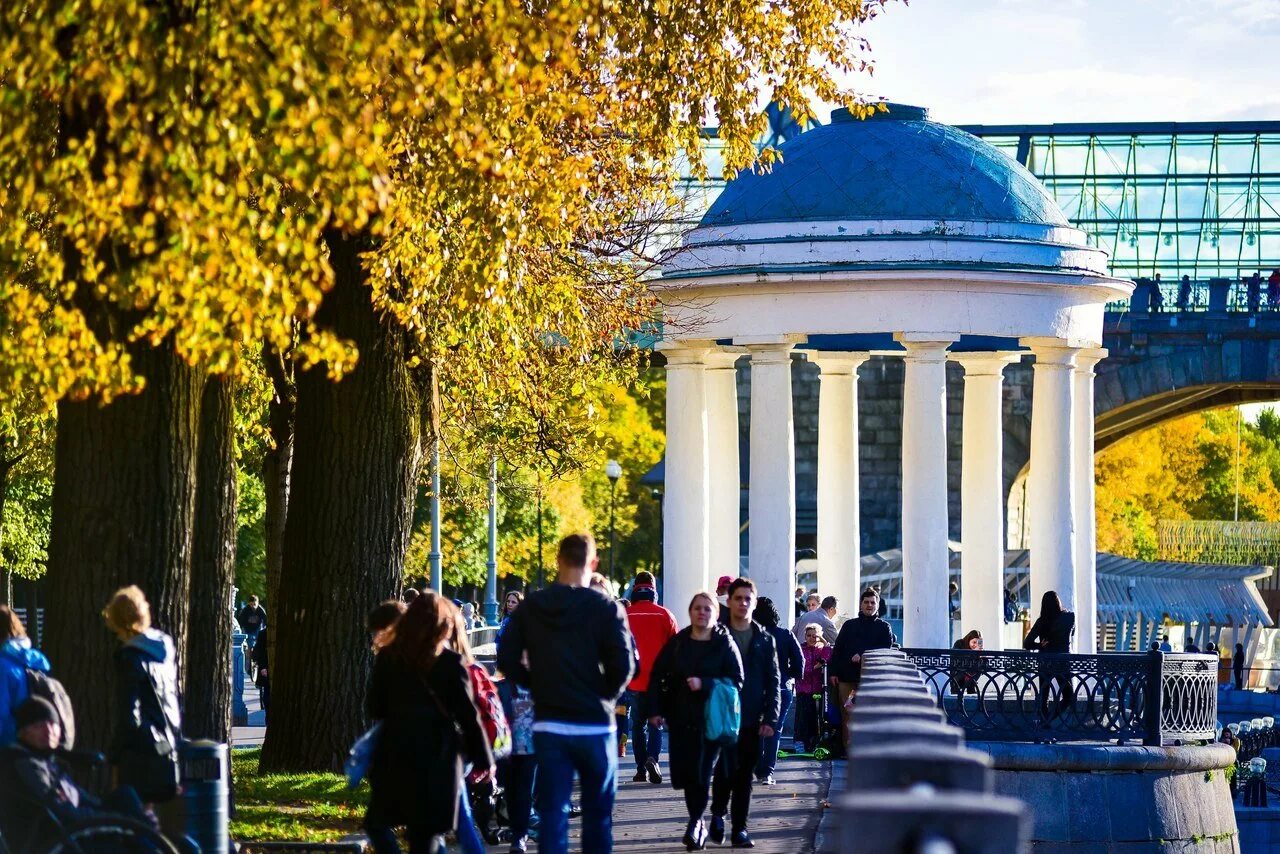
34 710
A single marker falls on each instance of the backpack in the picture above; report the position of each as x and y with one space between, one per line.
47 688
492 717
723 713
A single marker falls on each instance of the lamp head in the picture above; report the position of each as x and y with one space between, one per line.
612 470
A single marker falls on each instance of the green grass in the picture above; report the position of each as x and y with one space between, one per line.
292 807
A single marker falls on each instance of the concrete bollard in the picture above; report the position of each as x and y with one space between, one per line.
893 822
906 729
903 765
204 795
863 715
894 699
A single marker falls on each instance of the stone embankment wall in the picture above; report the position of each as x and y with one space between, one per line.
1105 798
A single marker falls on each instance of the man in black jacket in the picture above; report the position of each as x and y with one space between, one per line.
760 701
580 658
864 632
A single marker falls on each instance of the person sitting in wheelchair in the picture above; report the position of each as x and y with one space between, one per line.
32 777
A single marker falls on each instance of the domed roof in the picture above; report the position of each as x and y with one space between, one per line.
896 165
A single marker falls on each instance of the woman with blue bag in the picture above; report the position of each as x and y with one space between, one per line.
684 679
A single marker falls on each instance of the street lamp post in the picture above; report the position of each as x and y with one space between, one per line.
491 567
613 471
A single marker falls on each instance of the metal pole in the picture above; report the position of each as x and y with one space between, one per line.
613 488
433 558
541 575
1238 419
491 578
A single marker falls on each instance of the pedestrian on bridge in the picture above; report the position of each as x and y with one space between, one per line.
580 658
679 686
652 626
790 669
1184 293
760 702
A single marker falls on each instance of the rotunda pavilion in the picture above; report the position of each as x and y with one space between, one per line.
890 226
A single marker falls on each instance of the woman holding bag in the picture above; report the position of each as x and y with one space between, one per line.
681 680
422 695
146 724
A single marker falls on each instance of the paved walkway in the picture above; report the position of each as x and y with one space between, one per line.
784 818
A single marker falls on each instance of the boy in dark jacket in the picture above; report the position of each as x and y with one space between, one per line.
760 700
581 656
790 669
864 632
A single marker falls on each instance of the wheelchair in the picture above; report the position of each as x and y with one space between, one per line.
106 833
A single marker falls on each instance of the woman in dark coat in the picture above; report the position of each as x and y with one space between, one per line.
1052 632
421 693
147 725
680 679
790 669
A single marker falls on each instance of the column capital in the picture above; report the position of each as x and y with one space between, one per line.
929 347
682 355
1053 352
836 363
723 358
986 364
1088 358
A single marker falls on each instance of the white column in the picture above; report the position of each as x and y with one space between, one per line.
838 502
1086 523
982 496
686 512
771 533
1051 496
925 617
723 466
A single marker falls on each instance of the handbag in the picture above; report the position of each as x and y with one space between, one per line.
360 756
724 713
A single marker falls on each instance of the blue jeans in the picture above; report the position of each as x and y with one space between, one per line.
595 759
646 739
769 746
468 837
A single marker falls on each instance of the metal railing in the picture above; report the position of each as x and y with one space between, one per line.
1150 697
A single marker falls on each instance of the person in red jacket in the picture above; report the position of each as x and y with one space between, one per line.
652 626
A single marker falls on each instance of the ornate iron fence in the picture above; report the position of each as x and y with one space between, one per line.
1028 696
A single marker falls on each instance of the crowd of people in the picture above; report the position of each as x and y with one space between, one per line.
38 793
1253 292
580 674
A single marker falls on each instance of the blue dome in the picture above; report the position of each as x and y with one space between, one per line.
893 166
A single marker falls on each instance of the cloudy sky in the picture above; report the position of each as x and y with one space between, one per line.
997 61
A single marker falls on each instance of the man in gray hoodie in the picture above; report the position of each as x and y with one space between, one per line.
580 658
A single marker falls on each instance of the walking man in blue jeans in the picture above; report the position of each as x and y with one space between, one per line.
580 657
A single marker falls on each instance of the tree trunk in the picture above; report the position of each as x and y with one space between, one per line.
208 698
277 465
355 466
123 507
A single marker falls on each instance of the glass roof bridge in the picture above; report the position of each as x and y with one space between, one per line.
1200 199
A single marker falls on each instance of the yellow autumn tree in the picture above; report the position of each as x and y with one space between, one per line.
445 192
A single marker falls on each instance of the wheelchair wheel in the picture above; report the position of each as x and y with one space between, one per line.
112 835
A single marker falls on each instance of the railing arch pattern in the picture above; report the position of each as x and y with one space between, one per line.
1029 696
